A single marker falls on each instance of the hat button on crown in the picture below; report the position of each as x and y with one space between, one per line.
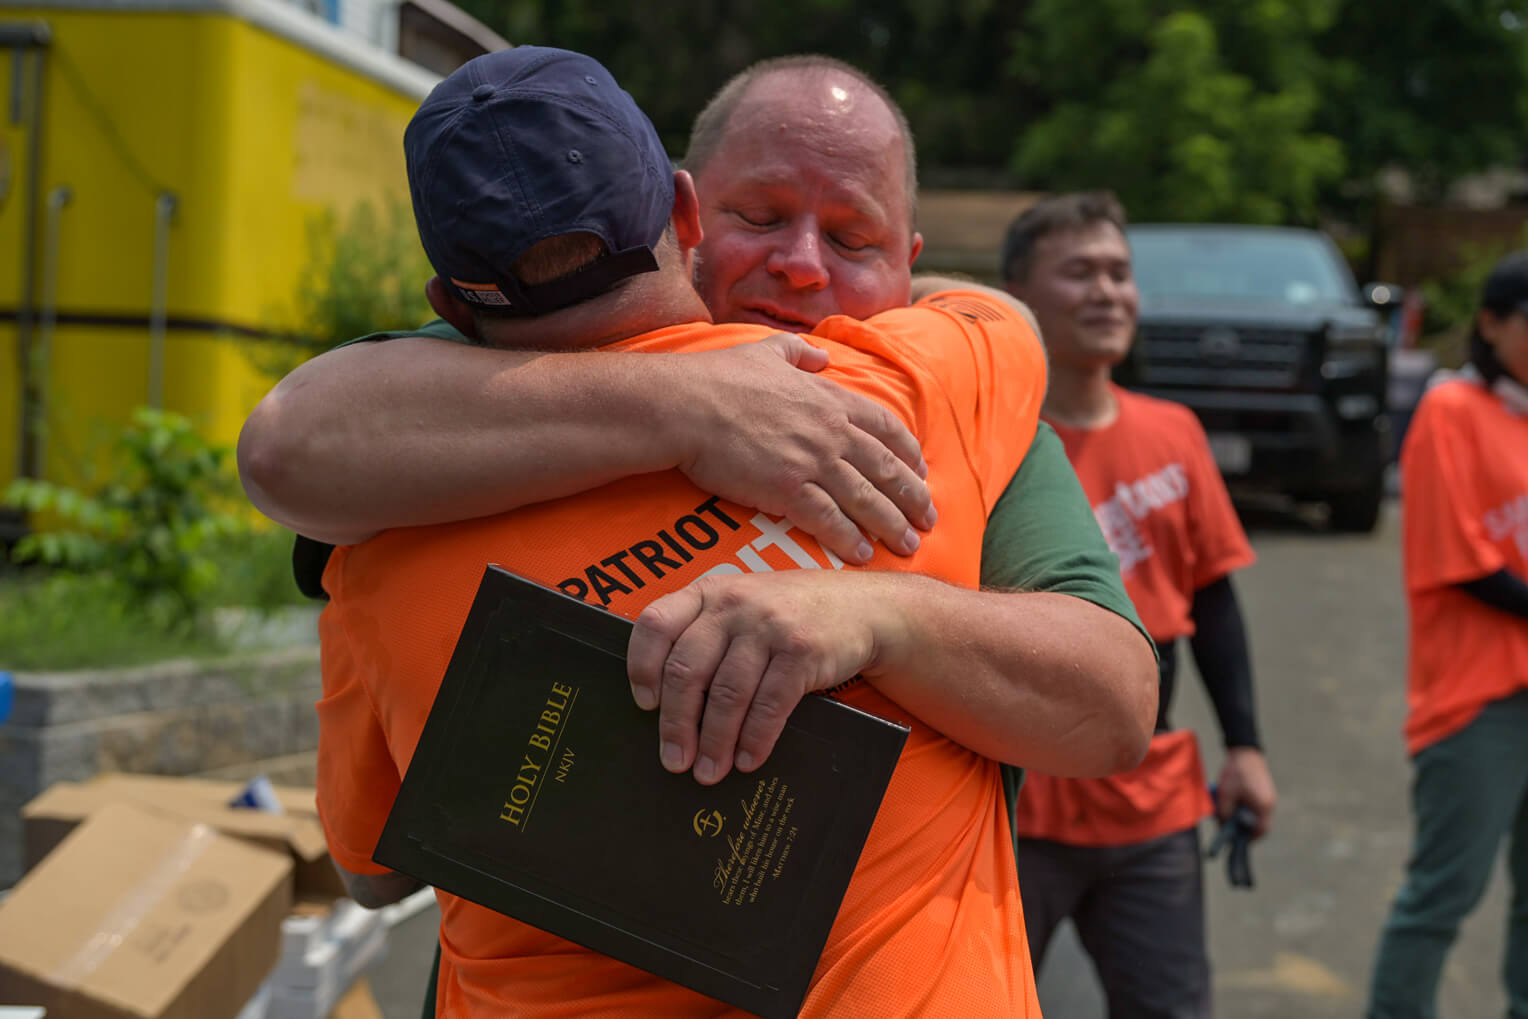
590 79
575 156
482 92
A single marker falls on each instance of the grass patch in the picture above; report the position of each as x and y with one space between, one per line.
57 619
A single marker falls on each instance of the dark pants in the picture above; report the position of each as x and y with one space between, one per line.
1139 912
1468 793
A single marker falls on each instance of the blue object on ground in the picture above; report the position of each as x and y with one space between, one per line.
258 795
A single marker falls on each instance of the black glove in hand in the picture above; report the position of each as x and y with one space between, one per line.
1237 834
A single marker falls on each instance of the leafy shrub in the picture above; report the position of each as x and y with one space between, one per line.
148 528
1452 300
365 272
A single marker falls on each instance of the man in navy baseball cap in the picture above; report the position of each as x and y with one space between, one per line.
742 615
528 144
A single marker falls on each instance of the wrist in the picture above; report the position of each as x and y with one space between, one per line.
893 619
661 399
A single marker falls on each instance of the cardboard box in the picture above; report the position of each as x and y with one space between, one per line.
55 812
358 1003
141 916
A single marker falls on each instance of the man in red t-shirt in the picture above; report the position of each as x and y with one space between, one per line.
1120 855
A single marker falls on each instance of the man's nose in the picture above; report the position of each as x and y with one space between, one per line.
1105 288
798 258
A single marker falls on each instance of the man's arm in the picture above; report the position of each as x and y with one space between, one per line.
377 890
1502 590
1058 674
726 660
418 431
1225 665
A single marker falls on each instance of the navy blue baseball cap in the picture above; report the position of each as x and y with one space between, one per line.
530 143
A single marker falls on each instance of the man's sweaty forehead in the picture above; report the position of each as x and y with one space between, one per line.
824 112
813 101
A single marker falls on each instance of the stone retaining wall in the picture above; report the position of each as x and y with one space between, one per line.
173 718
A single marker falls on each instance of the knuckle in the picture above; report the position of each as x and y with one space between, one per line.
861 495
678 675
727 697
727 598
813 510
655 617
779 697
888 467
674 730
796 643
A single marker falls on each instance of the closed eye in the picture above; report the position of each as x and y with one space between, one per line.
756 218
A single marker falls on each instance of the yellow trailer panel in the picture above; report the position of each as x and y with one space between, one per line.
184 149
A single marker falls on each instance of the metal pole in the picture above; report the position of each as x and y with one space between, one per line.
28 39
42 359
164 212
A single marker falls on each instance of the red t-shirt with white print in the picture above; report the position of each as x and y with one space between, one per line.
1163 507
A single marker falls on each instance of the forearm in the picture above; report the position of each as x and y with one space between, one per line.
420 431
1045 681
1225 663
377 890
1502 590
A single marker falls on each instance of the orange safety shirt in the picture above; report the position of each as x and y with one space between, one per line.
931 924
1464 497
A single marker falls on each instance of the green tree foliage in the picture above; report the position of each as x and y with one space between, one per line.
1200 114
1255 110
1439 87
365 272
945 63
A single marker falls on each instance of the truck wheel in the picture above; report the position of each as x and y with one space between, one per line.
1357 512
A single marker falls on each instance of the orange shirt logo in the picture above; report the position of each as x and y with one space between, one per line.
1510 518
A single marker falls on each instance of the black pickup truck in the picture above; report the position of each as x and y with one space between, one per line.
1264 334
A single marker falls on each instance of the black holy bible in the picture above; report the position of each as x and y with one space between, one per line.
536 791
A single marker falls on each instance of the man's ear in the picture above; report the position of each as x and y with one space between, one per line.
450 307
686 217
915 250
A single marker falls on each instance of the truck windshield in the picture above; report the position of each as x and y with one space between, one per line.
1245 265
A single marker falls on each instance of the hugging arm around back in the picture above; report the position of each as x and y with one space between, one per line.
1057 651
1047 667
429 429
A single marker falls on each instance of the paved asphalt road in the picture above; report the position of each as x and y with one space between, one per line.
1328 630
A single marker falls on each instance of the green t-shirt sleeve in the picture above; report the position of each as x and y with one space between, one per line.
1042 536
437 329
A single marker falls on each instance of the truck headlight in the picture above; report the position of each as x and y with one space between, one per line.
1357 406
1350 351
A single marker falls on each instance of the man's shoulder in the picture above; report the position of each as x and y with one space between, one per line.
1454 393
692 337
436 329
973 305
952 325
